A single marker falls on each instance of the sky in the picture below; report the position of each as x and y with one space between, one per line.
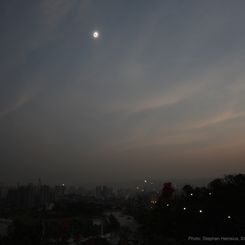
160 93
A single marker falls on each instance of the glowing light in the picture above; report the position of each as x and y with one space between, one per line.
228 216
200 211
96 34
191 194
167 205
145 181
184 208
209 193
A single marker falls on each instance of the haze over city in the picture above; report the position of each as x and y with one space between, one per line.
106 91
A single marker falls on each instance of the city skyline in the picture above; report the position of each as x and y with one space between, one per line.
116 91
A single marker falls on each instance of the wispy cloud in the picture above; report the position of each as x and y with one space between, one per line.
217 119
54 12
23 99
169 97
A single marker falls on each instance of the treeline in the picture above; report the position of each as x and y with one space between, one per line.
216 210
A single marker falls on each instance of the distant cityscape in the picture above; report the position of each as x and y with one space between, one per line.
39 195
146 214
39 207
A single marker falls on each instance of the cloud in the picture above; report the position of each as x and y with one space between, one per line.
23 99
54 12
169 97
217 119
40 30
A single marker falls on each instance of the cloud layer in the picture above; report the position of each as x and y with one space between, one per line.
160 93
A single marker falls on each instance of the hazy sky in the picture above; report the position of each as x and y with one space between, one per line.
160 94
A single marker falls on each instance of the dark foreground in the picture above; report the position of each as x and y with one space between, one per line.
208 215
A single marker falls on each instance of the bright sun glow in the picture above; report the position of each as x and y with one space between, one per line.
96 34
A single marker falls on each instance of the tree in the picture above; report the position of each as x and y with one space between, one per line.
187 190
